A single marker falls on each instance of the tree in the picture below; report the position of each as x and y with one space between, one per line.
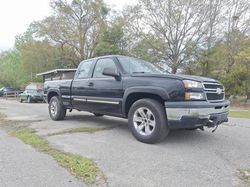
39 56
176 24
145 49
236 81
244 58
211 35
11 71
76 25
112 39
238 22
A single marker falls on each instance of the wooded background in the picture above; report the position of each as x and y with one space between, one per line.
199 37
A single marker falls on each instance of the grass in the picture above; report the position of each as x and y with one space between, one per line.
245 176
81 129
79 166
2 116
240 114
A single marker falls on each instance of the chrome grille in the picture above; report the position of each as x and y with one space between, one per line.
214 91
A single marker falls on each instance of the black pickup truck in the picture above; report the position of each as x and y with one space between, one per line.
152 100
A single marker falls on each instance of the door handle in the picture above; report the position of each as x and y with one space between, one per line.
91 84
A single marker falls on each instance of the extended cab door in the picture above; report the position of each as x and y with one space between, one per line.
79 88
105 92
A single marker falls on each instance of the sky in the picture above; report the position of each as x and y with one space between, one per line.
16 15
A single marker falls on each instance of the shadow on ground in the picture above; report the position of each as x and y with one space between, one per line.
174 136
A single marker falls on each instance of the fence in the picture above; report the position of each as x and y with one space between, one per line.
11 94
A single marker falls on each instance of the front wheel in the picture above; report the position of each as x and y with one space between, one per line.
148 121
57 110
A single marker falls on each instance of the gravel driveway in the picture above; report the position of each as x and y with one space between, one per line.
185 158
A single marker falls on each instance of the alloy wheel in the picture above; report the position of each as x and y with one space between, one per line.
144 121
53 108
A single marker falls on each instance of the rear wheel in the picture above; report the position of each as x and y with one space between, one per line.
148 121
57 110
21 100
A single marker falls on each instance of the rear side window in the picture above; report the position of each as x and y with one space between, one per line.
84 69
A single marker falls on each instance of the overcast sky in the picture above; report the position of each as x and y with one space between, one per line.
16 15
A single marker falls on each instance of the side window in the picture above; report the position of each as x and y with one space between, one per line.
101 64
84 69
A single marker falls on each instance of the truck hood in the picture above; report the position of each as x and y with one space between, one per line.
177 76
197 78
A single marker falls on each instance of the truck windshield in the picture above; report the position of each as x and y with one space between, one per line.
134 65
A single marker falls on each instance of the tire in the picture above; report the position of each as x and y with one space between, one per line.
151 127
20 100
98 115
57 110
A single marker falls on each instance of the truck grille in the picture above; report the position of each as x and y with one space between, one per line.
214 91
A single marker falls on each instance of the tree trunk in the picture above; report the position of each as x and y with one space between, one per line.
247 92
175 64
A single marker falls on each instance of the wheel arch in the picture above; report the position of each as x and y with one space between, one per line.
52 93
132 95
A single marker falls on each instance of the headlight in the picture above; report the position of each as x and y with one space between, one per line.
192 84
194 96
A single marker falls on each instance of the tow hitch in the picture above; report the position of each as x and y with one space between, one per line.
215 128
201 128
210 124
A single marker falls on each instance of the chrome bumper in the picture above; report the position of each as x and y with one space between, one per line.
196 113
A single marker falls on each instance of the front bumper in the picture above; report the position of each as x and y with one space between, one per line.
196 114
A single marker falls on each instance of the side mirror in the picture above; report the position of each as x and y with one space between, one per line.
110 72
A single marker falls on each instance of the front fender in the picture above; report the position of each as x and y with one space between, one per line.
144 89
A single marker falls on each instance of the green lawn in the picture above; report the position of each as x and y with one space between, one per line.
81 129
240 114
245 176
